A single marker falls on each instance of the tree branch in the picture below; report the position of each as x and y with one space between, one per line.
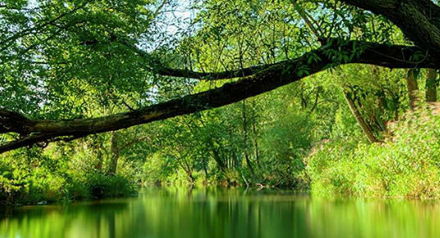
404 57
419 20
269 77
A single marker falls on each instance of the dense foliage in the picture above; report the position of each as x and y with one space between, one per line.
59 174
406 165
73 73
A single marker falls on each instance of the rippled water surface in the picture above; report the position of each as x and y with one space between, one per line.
212 212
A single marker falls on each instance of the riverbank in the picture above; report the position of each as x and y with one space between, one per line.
405 165
53 188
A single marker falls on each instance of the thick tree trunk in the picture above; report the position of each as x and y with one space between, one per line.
360 120
431 86
419 20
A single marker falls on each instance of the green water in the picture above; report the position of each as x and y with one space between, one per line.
210 212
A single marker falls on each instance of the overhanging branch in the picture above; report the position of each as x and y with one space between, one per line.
392 59
269 77
418 19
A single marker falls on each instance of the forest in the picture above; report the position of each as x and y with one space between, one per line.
333 97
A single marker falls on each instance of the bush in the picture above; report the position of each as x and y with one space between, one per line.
27 177
101 185
406 165
283 145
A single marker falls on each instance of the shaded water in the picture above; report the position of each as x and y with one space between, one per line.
211 212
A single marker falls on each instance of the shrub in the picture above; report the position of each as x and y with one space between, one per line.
406 165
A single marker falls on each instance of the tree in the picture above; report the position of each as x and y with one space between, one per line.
48 46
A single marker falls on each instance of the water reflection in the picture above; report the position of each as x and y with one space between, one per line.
211 212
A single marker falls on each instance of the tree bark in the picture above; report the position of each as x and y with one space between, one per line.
419 20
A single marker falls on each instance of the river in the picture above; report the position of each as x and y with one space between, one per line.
224 213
